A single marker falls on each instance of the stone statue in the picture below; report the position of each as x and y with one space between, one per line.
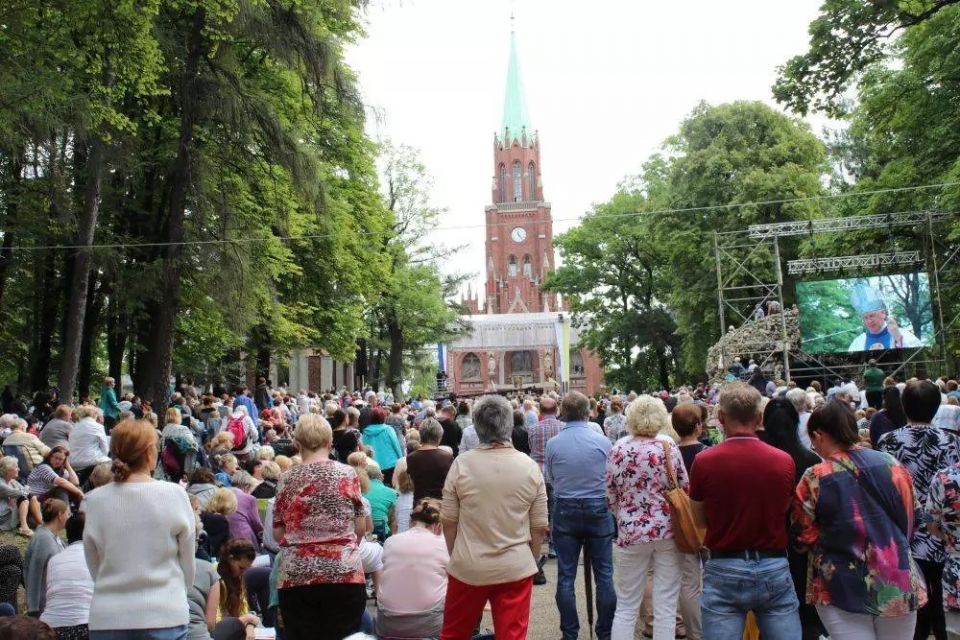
548 363
491 366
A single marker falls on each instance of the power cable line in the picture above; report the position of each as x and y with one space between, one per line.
510 223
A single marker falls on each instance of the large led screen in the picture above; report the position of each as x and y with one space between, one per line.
865 314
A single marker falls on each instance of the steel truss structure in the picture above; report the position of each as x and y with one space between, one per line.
816 265
853 223
750 277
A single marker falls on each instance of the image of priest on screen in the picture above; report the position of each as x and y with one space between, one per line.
882 330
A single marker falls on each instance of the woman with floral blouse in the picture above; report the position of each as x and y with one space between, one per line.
855 512
317 518
943 508
636 482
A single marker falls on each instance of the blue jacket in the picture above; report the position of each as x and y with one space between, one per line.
386 448
246 401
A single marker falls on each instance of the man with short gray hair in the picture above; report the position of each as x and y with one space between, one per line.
801 402
576 463
494 516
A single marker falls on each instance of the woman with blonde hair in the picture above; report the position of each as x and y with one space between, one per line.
159 517
318 517
403 483
216 518
637 479
413 585
228 464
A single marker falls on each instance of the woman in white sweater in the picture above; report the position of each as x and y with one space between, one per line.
139 545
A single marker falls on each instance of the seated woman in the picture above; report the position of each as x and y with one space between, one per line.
33 448
228 466
209 598
44 545
202 485
215 521
69 585
245 522
371 553
54 478
268 488
15 499
179 446
236 556
383 502
413 584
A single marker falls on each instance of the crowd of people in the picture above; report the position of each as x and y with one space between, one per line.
220 516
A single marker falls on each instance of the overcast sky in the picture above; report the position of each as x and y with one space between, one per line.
606 82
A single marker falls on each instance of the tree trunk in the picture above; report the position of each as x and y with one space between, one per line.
663 370
91 330
116 328
156 387
10 218
395 362
374 381
48 293
77 307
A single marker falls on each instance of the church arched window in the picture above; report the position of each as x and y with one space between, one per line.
470 368
502 184
512 267
527 267
521 362
531 182
517 182
576 363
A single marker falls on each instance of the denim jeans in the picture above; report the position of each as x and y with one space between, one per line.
166 633
584 522
732 587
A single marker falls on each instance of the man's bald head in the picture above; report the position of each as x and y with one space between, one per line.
548 406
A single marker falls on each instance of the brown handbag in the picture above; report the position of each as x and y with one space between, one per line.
686 534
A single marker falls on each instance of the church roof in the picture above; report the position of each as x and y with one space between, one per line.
516 117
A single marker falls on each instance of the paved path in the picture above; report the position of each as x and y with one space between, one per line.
544 617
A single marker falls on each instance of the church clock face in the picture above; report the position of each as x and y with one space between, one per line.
519 234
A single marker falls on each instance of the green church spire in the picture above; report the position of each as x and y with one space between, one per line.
516 118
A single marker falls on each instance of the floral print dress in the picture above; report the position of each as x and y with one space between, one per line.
943 510
318 505
636 483
855 513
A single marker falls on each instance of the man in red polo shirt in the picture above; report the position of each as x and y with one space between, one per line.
741 490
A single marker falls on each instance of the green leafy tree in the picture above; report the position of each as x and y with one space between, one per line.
611 274
412 311
845 39
725 159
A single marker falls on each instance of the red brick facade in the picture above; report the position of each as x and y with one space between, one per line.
519 239
519 256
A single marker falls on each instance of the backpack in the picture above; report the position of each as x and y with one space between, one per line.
236 429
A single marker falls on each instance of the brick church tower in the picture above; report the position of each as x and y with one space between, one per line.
521 340
519 242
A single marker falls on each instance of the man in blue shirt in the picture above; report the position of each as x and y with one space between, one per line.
575 464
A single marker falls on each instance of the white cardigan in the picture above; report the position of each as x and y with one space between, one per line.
139 543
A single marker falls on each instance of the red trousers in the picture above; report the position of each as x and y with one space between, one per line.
510 602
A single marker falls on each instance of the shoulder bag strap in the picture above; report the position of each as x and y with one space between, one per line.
671 474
